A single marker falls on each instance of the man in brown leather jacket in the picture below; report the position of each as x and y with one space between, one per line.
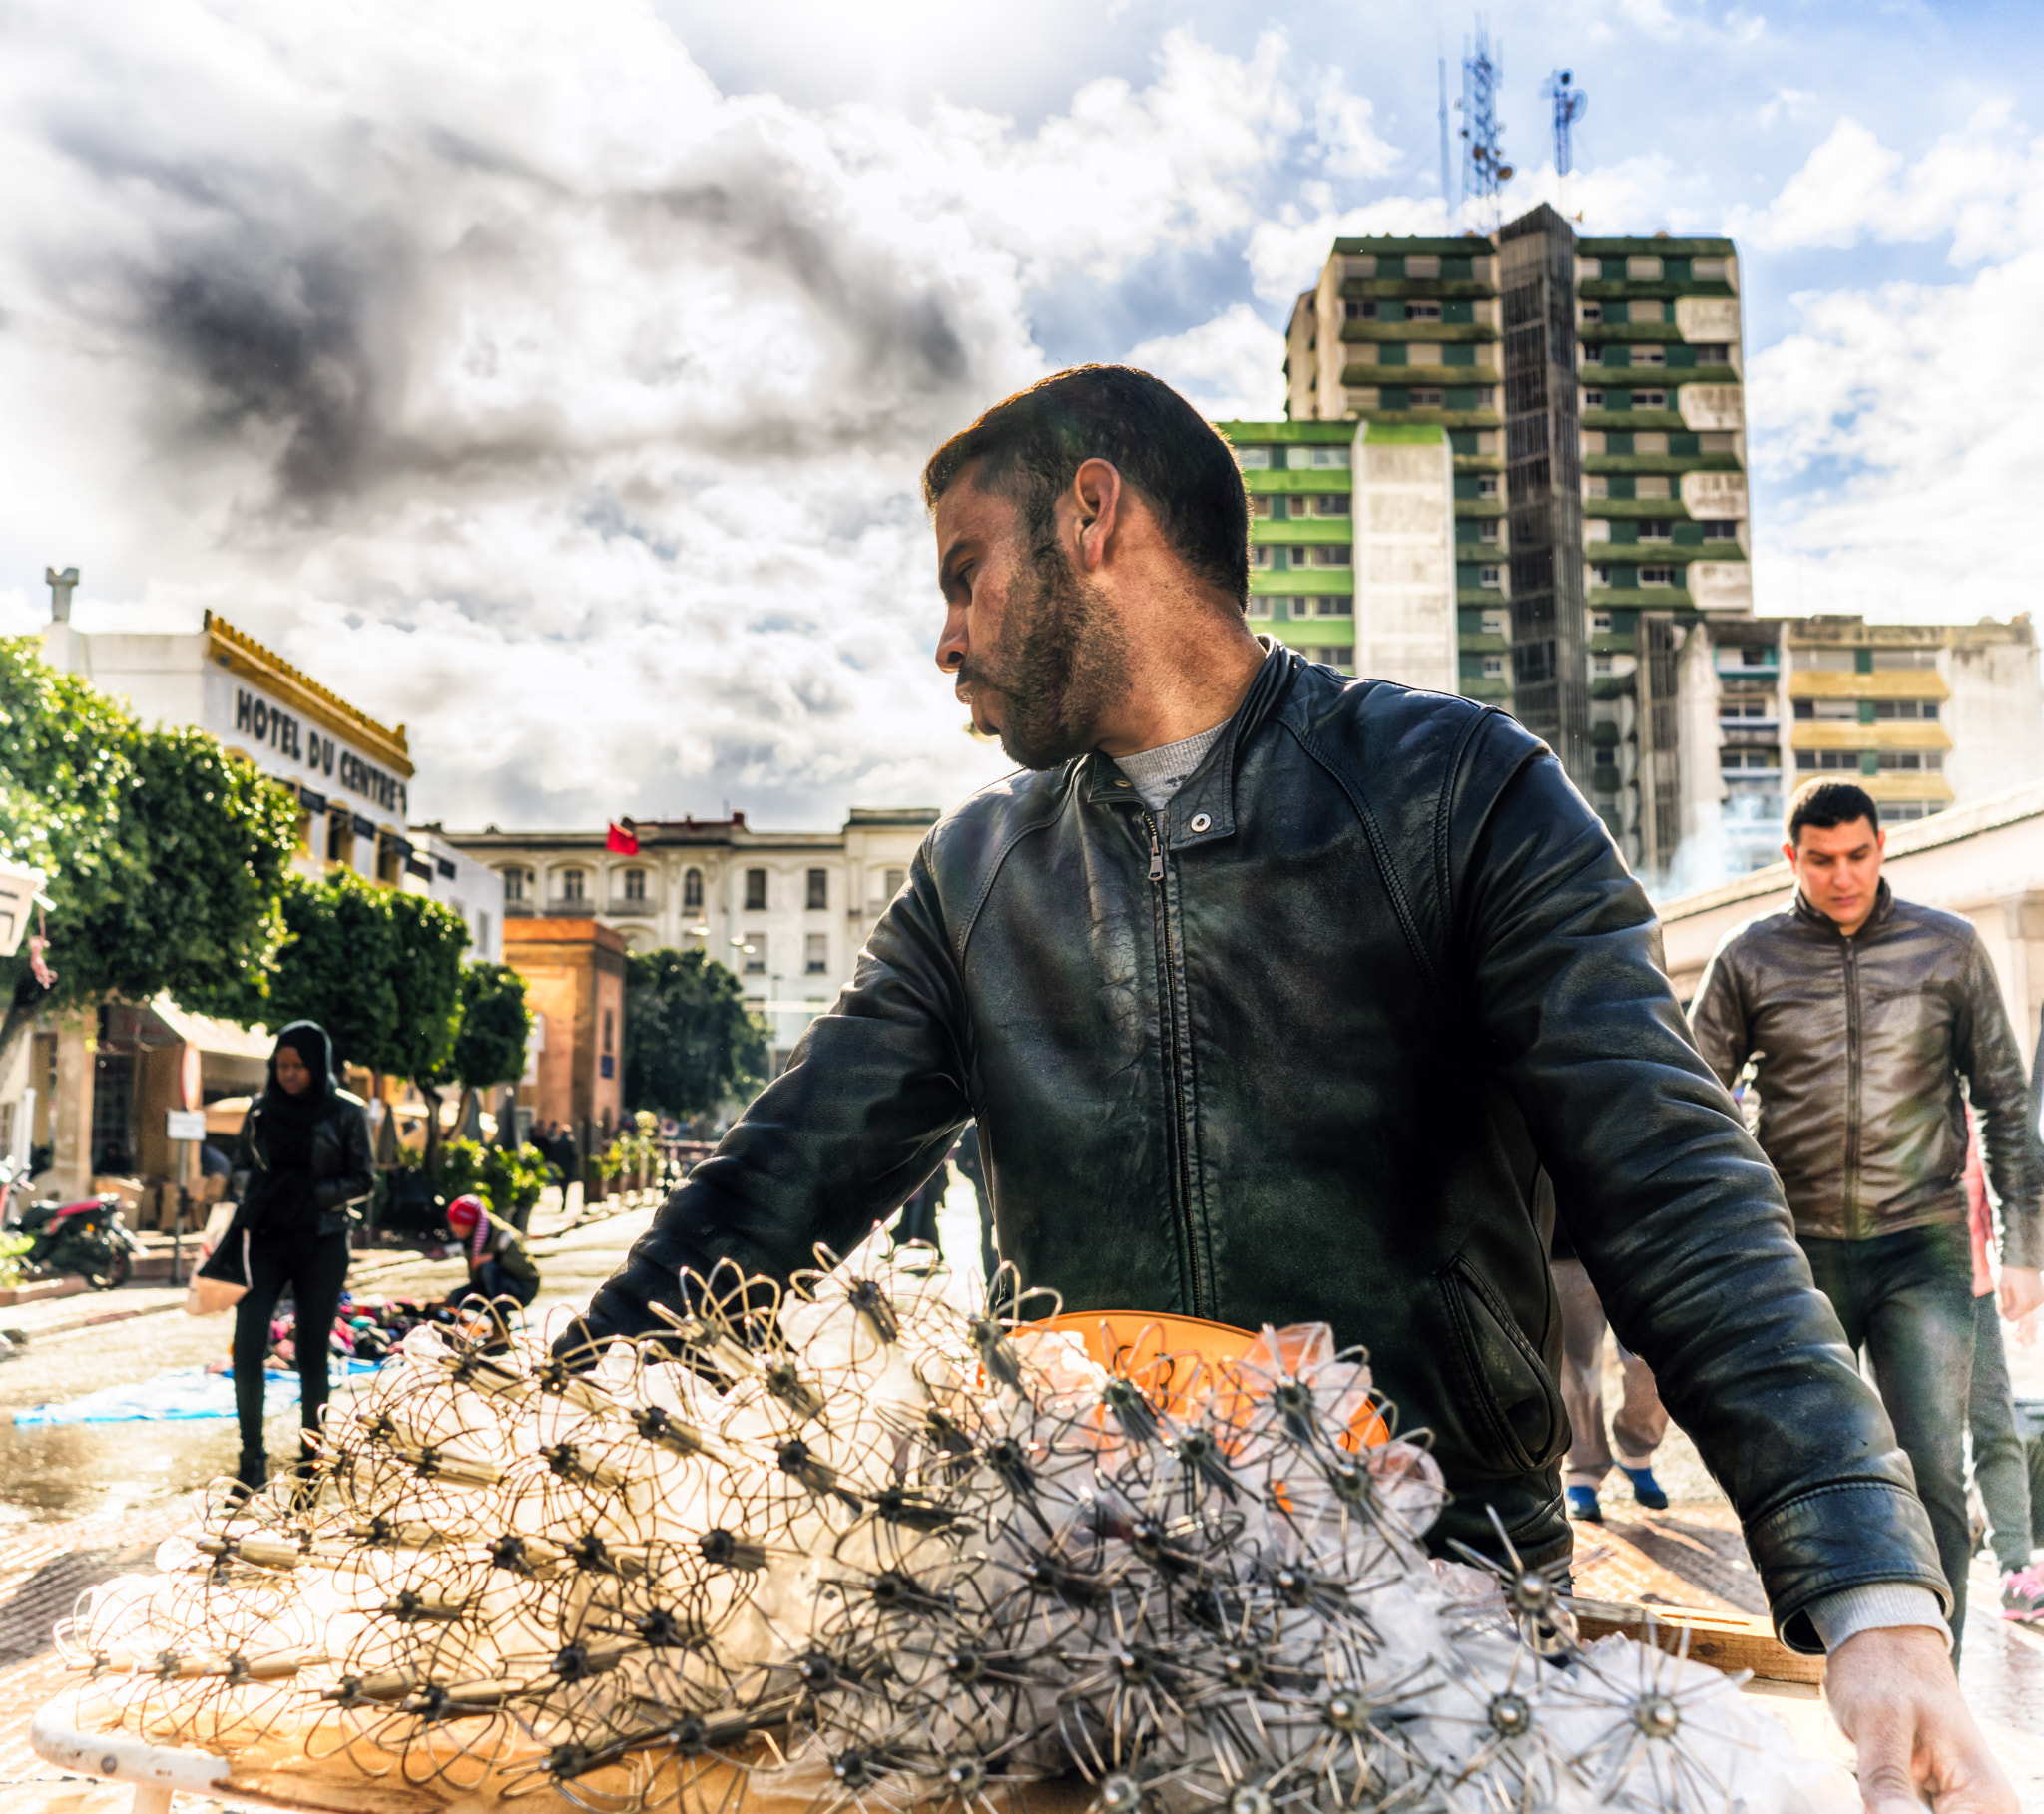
1865 1015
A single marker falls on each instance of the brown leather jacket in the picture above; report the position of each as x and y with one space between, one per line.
1861 1047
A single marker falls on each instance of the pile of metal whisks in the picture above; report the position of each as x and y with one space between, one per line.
850 1545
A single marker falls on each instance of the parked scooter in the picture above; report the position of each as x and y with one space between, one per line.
88 1238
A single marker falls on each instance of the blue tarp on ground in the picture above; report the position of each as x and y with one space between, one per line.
187 1392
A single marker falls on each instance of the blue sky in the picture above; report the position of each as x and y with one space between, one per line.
555 380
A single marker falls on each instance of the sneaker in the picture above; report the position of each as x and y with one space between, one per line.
2022 1595
1583 1505
1646 1489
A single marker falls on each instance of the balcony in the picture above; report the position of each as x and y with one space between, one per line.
575 909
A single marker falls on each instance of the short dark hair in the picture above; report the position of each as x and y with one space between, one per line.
1034 442
1829 803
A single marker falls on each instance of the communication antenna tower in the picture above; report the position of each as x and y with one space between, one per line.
1484 170
1569 105
1447 162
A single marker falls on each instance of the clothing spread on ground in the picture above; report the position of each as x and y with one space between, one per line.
1159 773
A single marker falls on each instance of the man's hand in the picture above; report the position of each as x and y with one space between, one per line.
1894 1693
2022 1290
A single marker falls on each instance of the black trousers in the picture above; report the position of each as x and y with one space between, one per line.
315 1270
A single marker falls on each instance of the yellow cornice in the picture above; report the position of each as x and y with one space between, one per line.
1890 684
246 655
1833 733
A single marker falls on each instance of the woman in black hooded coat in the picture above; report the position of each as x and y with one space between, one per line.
304 1160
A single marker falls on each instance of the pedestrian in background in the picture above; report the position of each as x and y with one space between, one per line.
499 1263
1871 1020
302 1163
972 1168
1641 1423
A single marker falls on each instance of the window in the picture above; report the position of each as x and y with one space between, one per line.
1713 352
1715 442
1757 655
1593 400
389 860
1600 572
1487 529
1496 623
1298 557
1258 605
482 930
1600 664
1259 504
1600 623
1331 504
1651 484
1657 529
820 889
753 948
1330 457
570 885
755 891
1888 659
897 879
1593 355
1905 708
1745 705
1657 575
609 1030
635 884
1360 311
1643 270
516 882
1489 576
1423 397
1252 459
1424 264
1334 554
1717 529
1828 758
1493 668
1650 443
1423 311
341 838
1649 355
691 891
1748 758
816 953
1486 485
1328 604
1596 486
1708 271
1650 399
1912 760
1259 554
1835 711
1593 312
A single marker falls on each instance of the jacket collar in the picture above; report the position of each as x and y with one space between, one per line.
1884 905
1209 792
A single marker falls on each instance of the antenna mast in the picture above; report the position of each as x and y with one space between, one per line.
1570 104
1484 170
1447 162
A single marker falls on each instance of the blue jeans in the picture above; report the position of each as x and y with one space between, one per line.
1906 1301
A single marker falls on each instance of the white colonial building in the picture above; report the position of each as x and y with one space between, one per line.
787 910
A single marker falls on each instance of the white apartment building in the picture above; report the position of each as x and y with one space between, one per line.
789 911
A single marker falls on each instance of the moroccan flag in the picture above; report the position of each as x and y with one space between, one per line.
624 839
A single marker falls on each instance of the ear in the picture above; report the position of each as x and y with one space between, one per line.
1789 851
1095 498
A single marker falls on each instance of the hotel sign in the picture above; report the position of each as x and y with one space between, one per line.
298 749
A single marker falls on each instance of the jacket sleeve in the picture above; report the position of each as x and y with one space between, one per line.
868 1106
356 1177
1673 1210
1717 1016
1988 1058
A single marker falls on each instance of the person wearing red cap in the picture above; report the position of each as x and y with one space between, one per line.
498 1264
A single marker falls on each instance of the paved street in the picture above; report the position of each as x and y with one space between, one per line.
86 1503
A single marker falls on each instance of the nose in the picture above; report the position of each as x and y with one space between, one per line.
953 646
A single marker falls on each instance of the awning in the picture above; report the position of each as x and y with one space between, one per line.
222 1038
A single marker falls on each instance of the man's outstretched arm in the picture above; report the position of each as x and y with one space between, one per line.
867 1107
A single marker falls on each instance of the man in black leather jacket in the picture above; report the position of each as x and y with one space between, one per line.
1866 1015
1281 997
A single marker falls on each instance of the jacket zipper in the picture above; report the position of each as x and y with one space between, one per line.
1175 1059
1852 1091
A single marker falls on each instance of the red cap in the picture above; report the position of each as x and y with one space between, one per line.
465 1212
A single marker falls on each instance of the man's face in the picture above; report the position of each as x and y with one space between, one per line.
1037 653
1839 869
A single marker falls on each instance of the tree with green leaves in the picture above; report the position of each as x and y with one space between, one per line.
496 1028
167 857
690 1042
380 970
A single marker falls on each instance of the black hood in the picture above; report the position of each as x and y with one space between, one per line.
316 1051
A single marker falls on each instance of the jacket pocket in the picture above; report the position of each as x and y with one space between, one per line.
1511 1391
